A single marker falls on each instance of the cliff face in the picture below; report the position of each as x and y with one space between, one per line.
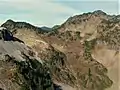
83 52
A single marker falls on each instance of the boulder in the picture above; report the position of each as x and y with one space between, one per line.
5 34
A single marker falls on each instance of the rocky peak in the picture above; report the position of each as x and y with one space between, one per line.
10 21
88 25
9 24
83 21
99 12
12 25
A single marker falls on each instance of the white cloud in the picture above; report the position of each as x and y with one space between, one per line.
44 12
38 12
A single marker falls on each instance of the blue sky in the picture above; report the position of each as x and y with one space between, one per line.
51 12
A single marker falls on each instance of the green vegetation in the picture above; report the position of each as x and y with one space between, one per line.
36 75
56 27
58 67
88 46
29 74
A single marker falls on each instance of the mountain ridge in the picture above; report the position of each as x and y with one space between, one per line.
12 25
78 51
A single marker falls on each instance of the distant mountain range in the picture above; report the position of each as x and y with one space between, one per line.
46 28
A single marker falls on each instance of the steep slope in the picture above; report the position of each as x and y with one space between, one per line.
96 26
21 69
89 74
82 52
55 59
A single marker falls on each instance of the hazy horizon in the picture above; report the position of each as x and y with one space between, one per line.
51 12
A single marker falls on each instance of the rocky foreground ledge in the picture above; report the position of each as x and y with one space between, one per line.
20 68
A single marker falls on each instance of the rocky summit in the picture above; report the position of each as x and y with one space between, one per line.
80 54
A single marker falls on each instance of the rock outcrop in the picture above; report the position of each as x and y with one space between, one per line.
5 34
20 68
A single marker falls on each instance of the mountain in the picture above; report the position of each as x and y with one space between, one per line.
12 25
46 28
82 53
54 59
89 39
